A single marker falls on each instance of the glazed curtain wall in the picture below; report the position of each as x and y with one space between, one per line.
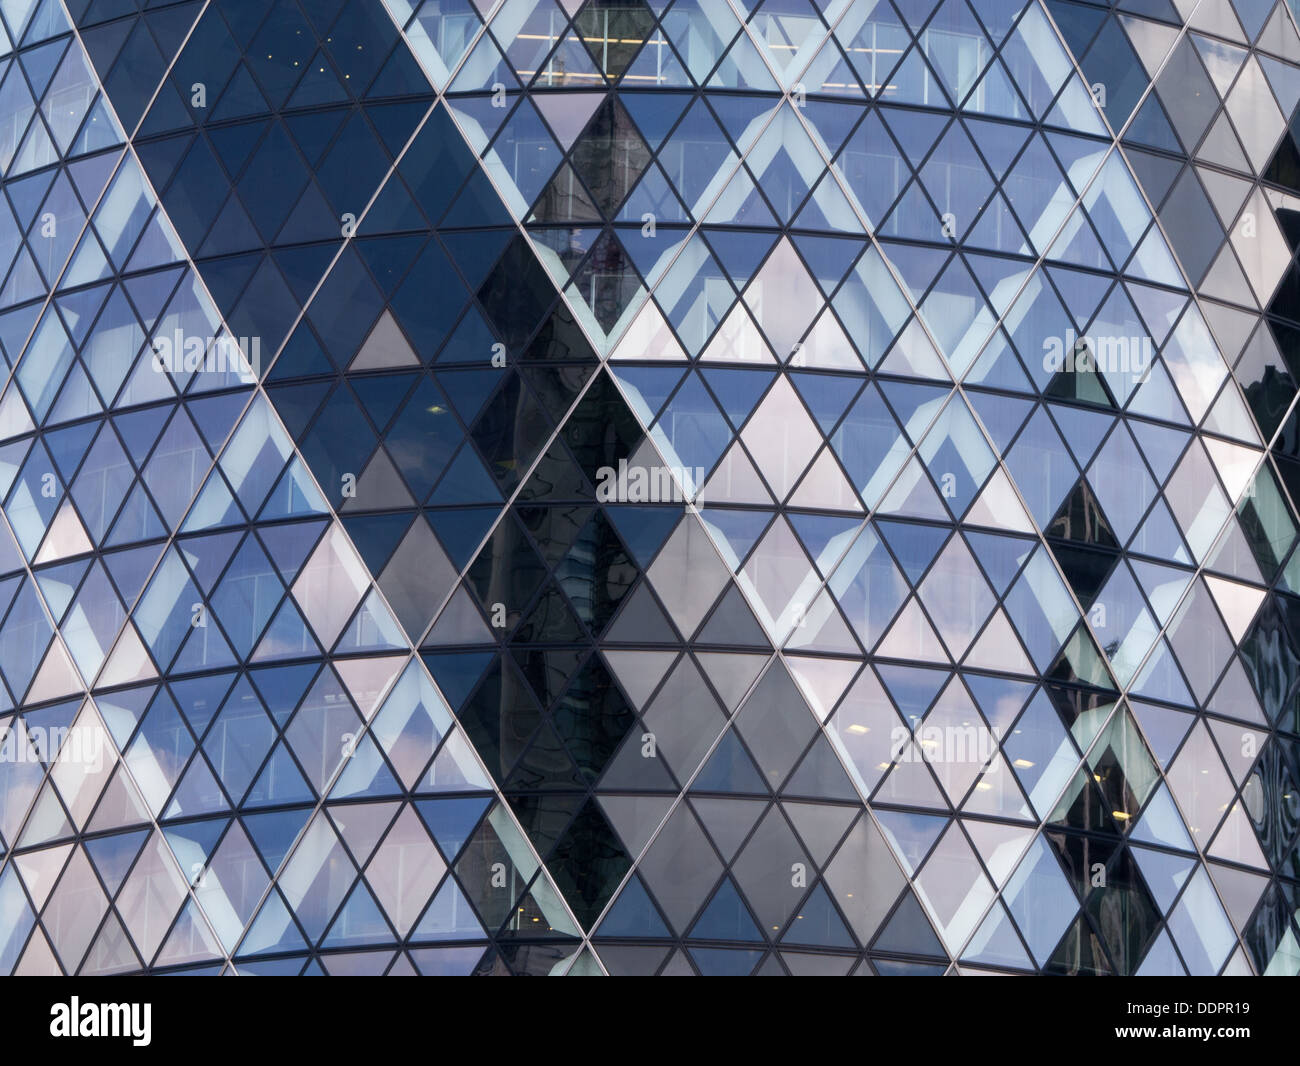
665 486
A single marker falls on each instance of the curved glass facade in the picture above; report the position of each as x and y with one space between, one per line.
649 486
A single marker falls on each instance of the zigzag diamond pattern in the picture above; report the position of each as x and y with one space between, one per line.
935 648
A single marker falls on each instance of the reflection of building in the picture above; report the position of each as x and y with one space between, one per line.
960 661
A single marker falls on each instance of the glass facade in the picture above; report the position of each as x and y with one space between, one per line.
529 487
